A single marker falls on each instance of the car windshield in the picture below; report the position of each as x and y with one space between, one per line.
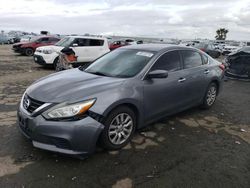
34 39
65 42
123 63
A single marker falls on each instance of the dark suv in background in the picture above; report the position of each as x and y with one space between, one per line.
28 48
209 48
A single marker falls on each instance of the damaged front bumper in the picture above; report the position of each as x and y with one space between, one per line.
67 137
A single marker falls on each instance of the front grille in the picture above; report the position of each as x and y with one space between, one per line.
31 104
16 46
61 143
58 142
24 127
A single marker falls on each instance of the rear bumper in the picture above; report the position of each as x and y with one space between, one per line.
68 137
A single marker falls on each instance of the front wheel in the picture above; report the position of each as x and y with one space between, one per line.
56 64
210 96
119 128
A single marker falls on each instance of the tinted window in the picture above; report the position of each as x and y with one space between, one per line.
81 42
191 59
53 39
94 42
44 39
169 61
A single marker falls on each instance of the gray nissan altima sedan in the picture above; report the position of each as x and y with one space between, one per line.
70 111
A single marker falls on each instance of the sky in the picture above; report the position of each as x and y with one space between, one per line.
182 19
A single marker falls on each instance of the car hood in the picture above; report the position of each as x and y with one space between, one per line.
52 47
71 86
21 43
239 52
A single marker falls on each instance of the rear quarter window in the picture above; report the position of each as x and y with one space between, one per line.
205 59
191 59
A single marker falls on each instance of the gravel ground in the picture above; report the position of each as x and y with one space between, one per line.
195 148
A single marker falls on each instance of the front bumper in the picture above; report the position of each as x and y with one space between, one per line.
43 59
39 59
17 49
68 137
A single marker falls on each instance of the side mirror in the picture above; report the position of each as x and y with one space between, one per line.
74 45
158 74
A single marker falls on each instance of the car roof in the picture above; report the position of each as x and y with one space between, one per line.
47 36
156 47
85 37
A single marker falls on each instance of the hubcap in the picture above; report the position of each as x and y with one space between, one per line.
211 95
120 129
29 52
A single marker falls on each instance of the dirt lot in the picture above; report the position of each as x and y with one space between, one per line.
195 148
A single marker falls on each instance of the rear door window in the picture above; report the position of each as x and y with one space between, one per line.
96 42
191 59
81 42
53 39
169 61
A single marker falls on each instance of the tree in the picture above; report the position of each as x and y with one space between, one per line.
221 34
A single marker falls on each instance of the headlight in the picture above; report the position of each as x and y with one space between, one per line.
69 110
47 51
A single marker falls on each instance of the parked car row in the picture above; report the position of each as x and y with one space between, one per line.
28 48
213 48
120 43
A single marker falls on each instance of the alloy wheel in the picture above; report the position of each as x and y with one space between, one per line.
211 95
120 128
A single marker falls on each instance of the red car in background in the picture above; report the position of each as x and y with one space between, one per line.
117 44
28 48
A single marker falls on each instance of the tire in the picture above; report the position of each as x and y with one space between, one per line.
29 51
210 96
115 136
55 63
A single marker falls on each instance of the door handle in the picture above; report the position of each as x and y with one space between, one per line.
182 80
206 71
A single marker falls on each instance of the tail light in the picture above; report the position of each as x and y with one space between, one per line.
222 67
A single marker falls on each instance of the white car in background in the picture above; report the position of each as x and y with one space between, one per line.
229 49
86 48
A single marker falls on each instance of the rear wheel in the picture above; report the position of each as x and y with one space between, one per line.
210 96
29 51
119 128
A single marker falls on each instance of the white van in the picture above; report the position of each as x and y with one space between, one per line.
86 48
